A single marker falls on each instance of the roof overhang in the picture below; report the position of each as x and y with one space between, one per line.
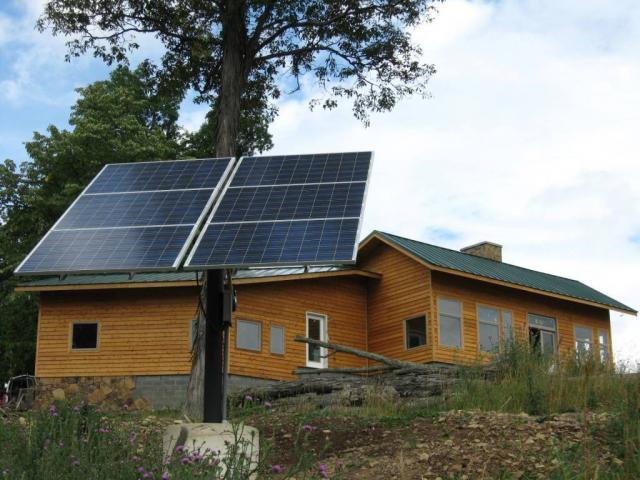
367 244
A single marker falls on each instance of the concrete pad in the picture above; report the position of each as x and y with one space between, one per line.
217 437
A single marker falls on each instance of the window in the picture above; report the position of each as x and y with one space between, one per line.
584 339
316 329
489 329
603 343
507 327
249 335
277 339
415 332
84 336
494 326
542 333
450 323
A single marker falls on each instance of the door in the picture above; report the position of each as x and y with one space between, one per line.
316 329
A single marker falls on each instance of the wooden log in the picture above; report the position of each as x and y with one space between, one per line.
360 370
359 353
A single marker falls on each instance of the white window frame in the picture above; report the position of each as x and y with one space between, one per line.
284 336
324 361
426 331
606 358
460 320
255 322
84 322
543 328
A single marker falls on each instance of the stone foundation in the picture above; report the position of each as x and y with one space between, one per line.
139 392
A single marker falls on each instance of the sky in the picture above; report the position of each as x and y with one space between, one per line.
530 138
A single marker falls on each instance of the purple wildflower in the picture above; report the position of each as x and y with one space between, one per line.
76 408
248 398
196 457
179 448
53 410
308 428
277 469
125 406
76 462
268 404
135 458
147 475
184 460
323 470
61 445
140 469
103 430
165 476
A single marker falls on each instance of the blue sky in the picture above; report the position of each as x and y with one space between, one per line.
530 138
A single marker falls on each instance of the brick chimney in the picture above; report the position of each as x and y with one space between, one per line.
489 250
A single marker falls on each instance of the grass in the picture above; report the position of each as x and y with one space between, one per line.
67 442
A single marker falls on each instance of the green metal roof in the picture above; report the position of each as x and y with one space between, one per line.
484 267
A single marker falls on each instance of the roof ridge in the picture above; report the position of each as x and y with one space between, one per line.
483 258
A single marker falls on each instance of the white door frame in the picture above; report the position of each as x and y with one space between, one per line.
323 363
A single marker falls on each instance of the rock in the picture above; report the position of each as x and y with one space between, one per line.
140 404
95 397
128 383
73 389
58 394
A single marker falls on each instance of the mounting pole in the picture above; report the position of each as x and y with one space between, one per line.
214 347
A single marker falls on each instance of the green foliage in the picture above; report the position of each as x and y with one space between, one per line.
78 442
122 119
356 50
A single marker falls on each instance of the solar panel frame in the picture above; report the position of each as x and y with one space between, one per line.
215 194
188 267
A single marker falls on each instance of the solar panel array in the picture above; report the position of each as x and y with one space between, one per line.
131 217
286 210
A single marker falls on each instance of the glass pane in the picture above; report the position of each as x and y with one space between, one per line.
314 330
542 322
449 307
603 340
416 331
248 335
489 340
277 339
584 334
450 333
548 342
507 326
488 315
85 335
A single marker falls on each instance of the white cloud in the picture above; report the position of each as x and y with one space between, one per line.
530 140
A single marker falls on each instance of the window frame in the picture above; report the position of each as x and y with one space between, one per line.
426 331
542 328
501 326
324 336
460 320
284 339
84 322
606 344
255 322
575 338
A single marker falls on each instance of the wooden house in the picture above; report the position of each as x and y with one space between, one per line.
120 339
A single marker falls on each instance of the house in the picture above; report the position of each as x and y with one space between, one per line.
120 339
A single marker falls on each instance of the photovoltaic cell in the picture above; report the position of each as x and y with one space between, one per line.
132 217
286 210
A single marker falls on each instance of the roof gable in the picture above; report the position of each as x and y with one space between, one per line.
485 269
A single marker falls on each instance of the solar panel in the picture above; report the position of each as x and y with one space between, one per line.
286 210
131 217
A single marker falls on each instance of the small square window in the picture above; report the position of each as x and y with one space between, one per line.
249 335
84 336
277 340
415 332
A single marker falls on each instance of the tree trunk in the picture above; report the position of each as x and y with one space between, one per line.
227 127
